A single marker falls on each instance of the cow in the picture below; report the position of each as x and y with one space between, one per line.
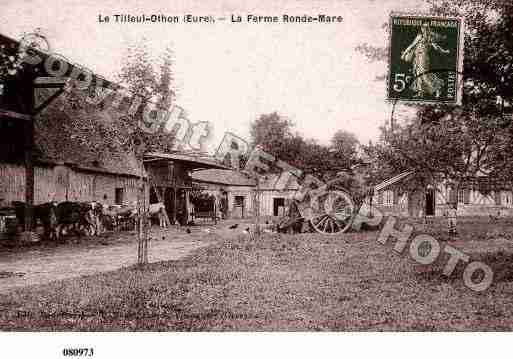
78 217
119 217
158 210
108 217
69 217
96 214
127 217
46 213
82 218
92 213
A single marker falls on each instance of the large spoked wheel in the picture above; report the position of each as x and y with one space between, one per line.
332 212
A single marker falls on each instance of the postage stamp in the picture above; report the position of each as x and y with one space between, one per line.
425 59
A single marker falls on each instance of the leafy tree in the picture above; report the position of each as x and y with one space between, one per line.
110 124
317 160
344 146
488 75
383 161
140 76
484 120
276 136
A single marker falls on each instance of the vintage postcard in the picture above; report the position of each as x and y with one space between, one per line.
255 166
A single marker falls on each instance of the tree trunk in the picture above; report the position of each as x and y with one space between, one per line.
142 228
257 208
29 175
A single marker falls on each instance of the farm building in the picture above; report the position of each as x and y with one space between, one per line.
60 147
276 190
66 167
171 182
234 191
401 197
238 190
51 149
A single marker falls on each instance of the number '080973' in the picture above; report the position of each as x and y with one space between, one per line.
78 352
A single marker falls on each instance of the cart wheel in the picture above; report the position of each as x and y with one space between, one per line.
333 212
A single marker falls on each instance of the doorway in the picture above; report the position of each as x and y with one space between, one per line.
278 206
119 195
238 207
430 202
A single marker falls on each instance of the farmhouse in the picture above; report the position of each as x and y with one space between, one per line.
402 196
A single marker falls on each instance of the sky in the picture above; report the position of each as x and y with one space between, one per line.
230 73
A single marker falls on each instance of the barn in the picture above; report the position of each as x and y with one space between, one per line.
51 148
66 167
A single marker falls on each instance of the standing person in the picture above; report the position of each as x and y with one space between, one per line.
419 53
452 218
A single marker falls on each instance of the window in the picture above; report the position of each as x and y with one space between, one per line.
396 196
239 201
118 195
388 198
461 196
238 208
464 195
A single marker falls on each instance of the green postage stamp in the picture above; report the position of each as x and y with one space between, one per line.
425 59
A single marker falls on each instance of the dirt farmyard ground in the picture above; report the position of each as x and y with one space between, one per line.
281 282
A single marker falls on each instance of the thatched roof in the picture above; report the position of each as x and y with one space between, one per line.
59 135
58 140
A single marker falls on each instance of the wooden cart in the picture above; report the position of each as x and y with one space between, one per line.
329 210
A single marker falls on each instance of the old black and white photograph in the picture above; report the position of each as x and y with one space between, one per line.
252 173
